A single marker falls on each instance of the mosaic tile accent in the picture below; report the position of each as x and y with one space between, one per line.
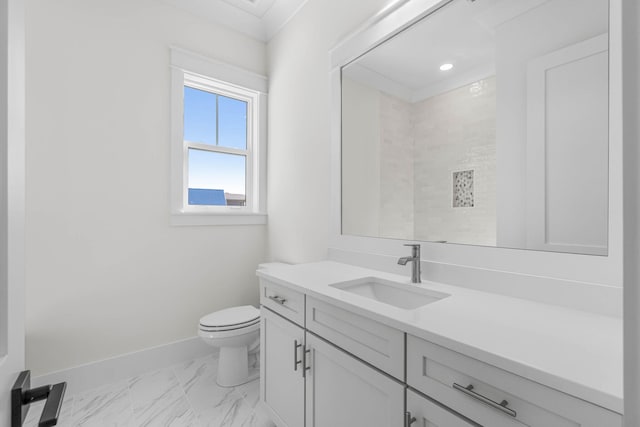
463 189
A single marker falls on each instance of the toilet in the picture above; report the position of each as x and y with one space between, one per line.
236 331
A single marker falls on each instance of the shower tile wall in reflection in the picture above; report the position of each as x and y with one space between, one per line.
456 131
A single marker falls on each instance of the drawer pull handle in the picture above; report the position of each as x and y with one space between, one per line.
502 406
296 362
277 299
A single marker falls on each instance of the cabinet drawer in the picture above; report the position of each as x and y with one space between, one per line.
284 301
446 376
428 413
371 341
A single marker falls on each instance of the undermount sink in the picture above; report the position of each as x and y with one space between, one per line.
406 296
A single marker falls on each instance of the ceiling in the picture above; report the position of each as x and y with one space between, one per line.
462 34
260 19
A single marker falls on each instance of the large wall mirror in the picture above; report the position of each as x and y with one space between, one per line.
484 123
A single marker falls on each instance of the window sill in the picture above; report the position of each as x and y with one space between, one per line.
189 219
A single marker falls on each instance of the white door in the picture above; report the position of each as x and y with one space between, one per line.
281 379
343 391
424 412
567 149
11 199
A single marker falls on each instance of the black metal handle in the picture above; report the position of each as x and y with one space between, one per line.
22 396
51 411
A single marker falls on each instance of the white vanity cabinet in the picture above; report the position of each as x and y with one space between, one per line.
306 381
281 381
324 365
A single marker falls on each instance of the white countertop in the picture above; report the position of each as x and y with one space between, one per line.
572 351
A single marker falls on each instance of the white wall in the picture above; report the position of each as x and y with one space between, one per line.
106 274
514 49
377 163
396 168
299 126
361 159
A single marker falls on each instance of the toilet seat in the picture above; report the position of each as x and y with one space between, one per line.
240 319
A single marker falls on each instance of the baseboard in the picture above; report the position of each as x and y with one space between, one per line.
102 372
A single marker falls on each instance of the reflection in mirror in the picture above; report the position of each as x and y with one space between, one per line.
485 123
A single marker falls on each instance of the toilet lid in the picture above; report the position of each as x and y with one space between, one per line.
234 317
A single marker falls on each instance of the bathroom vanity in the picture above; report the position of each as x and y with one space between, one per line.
462 126
348 346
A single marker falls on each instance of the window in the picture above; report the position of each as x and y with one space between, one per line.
218 143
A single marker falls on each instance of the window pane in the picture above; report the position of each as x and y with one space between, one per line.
199 116
216 179
232 123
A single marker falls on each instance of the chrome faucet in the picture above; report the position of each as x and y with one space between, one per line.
415 259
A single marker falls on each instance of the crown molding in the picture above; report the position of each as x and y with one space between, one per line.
258 19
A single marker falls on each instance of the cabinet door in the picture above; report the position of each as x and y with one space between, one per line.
429 414
343 391
281 380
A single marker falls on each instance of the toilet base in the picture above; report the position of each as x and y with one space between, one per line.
233 367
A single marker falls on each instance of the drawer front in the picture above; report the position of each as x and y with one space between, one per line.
493 397
429 414
371 341
284 301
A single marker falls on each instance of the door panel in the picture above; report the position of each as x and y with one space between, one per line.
281 381
12 169
567 115
343 391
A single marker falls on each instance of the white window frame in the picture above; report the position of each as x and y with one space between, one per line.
193 70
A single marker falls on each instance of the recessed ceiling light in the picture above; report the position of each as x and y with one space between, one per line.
446 67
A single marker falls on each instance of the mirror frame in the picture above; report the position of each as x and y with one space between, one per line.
586 269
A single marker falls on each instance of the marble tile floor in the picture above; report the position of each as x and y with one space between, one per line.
184 395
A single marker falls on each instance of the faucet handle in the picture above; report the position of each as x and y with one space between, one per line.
413 245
